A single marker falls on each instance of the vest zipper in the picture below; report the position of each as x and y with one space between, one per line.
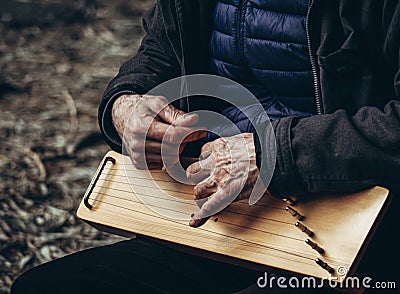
240 29
318 101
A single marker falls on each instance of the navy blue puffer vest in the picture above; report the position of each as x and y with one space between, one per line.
262 44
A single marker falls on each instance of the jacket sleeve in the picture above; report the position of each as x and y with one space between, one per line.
156 61
337 152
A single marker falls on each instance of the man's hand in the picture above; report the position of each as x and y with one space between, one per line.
146 122
229 170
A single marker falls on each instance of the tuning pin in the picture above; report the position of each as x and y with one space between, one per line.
304 229
294 213
315 246
324 265
289 201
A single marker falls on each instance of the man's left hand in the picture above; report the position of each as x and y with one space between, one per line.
228 170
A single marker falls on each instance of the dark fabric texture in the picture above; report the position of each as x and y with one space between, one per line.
262 45
355 45
135 266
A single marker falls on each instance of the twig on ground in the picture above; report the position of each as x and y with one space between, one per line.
74 122
39 164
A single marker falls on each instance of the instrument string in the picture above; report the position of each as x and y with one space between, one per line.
227 210
121 182
139 202
181 192
256 244
192 204
228 223
136 177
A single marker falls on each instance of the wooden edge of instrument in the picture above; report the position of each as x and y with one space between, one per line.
367 241
375 226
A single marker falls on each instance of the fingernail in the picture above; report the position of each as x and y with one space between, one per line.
204 155
194 221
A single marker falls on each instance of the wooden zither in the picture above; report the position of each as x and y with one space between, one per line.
313 236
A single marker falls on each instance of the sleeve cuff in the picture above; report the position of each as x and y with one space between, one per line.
110 134
285 180
257 146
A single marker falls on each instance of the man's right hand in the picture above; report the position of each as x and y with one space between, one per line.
146 122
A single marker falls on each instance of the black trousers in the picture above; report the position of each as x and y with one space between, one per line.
135 266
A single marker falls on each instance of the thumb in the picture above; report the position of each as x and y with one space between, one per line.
174 116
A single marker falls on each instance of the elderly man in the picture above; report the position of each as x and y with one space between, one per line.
327 74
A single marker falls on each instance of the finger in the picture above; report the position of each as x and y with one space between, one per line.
205 188
174 134
155 147
245 193
188 119
141 161
177 134
216 181
195 223
205 155
207 149
200 170
212 206
151 146
195 136
199 222
170 114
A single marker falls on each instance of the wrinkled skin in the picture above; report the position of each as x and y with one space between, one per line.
228 170
150 120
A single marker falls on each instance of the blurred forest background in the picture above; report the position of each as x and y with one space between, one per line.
56 57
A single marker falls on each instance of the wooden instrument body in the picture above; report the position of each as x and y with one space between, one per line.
260 236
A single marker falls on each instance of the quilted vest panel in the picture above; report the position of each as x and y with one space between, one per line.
262 44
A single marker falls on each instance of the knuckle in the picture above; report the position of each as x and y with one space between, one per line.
192 169
160 99
207 147
220 143
199 190
211 183
221 172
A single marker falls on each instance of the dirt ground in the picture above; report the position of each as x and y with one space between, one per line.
56 58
